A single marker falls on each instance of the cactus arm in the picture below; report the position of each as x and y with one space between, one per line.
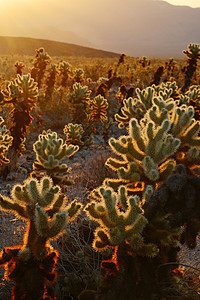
7 204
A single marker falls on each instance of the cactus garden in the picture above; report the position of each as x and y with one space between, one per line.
99 177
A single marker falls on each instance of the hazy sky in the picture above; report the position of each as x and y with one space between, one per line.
192 3
6 3
104 23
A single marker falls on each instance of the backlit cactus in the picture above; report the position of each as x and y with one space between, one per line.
64 70
19 67
50 81
193 54
42 205
97 109
145 152
74 134
135 108
50 151
41 61
22 93
143 61
167 134
78 75
77 102
157 75
121 221
5 142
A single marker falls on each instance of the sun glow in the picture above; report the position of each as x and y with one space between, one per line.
192 3
5 2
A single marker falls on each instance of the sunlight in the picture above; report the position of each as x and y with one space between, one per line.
191 3
3 2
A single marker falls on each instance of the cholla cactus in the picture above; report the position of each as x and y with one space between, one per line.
124 93
135 108
19 67
170 66
193 51
42 59
22 93
42 205
5 142
193 54
50 82
194 93
145 152
121 226
50 150
22 89
166 134
167 90
74 134
64 70
132 108
144 62
97 109
78 102
193 98
157 75
121 221
78 75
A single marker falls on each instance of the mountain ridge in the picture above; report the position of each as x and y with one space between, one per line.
26 46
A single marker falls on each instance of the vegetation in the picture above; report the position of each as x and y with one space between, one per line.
116 144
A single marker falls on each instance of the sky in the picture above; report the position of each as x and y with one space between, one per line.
67 3
192 3
99 23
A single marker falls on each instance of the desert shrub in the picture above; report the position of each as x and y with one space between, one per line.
78 265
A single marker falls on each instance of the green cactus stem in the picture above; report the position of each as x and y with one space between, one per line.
135 107
50 151
77 102
167 134
121 223
31 265
120 218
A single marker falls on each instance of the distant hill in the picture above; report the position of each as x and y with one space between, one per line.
51 33
141 27
27 46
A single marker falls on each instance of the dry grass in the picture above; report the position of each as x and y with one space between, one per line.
93 171
78 265
11 233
